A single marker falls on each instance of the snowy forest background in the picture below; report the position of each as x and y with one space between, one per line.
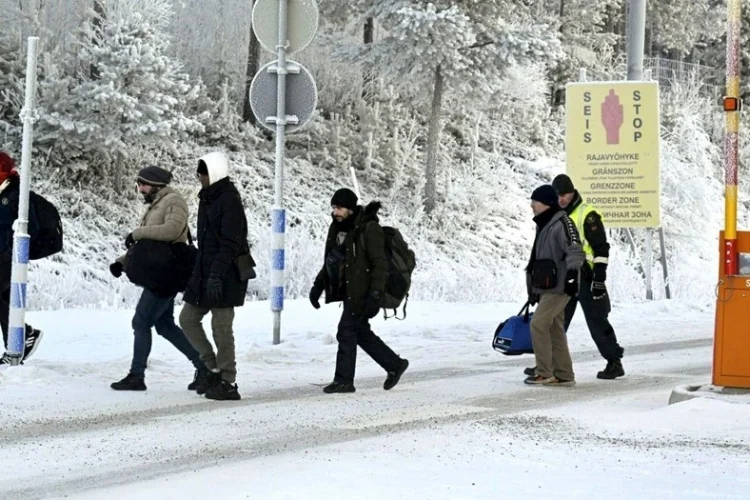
451 112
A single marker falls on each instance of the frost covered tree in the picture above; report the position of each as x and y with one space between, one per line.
136 98
446 46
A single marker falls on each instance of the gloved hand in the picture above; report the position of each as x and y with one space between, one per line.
315 293
598 290
129 241
116 269
372 304
571 283
214 288
533 299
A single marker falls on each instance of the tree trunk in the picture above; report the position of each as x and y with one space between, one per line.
433 142
562 8
253 65
368 87
99 16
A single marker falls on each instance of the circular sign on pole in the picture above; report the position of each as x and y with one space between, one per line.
302 23
301 95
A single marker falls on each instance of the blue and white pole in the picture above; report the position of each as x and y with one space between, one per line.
20 265
279 215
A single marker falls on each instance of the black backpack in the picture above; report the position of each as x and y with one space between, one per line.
49 239
401 263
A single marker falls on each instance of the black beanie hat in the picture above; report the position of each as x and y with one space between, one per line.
563 184
545 194
344 198
154 176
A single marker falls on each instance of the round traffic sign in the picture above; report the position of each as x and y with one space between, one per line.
302 23
301 96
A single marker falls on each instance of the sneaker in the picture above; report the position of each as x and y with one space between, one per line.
530 372
5 360
33 337
561 383
336 387
613 370
210 380
130 383
394 377
539 380
223 391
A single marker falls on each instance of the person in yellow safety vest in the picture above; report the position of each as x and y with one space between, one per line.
593 290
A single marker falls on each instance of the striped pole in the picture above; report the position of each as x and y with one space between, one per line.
278 222
20 265
731 146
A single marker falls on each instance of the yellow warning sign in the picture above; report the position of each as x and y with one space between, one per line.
612 149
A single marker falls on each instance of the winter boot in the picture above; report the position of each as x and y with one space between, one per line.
530 372
198 379
393 377
130 383
33 337
612 371
341 387
223 391
210 380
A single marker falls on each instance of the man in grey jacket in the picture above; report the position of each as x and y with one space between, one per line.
552 278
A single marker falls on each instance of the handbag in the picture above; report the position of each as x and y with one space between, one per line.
513 336
245 266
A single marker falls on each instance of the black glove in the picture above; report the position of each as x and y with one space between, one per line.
129 241
598 290
372 304
600 272
315 293
214 288
571 283
533 299
116 269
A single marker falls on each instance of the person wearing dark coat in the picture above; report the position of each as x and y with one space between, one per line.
354 272
215 285
9 198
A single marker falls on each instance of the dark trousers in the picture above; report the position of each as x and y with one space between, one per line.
157 312
355 331
5 267
596 313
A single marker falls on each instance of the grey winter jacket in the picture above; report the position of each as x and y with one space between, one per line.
559 241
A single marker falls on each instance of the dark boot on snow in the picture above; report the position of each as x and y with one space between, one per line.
130 383
612 371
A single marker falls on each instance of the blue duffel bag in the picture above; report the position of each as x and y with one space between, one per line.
513 336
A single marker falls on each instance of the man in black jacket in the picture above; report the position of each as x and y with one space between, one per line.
355 271
9 193
215 285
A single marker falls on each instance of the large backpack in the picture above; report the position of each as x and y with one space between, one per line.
49 239
401 263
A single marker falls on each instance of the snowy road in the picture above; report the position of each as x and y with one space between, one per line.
71 455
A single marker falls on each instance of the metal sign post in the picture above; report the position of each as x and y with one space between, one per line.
283 97
21 239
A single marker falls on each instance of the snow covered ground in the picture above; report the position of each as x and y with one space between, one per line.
460 425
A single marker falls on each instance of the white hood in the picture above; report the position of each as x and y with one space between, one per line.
218 166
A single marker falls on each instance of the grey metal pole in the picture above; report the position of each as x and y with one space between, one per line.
21 239
635 43
279 215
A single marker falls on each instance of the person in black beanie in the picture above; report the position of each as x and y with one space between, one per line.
166 220
354 272
551 279
593 296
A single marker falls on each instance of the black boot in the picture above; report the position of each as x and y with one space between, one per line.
530 372
198 378
335 387
393 377
223 391
209 380
612 371
130 383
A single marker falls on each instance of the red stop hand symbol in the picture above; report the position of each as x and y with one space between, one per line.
612 117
